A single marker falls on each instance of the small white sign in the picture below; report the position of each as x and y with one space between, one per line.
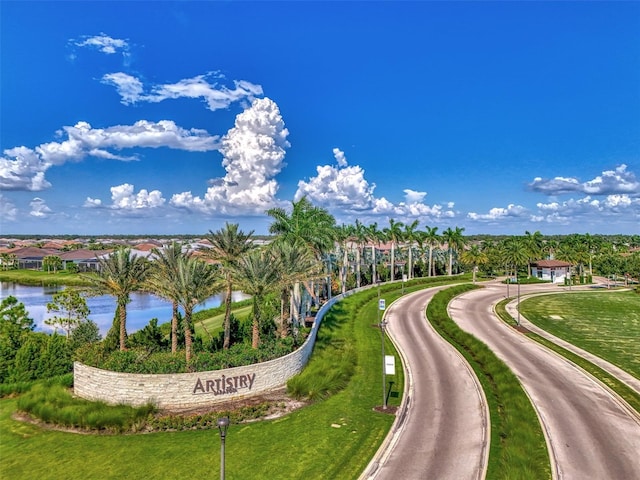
381 304
404 277
389 365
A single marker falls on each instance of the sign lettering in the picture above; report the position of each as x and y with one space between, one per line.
224 385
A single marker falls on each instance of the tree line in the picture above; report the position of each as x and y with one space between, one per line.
310 256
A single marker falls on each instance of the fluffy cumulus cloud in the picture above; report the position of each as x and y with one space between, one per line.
589 209
253 154
39 208
344 188
23 168
411 196
500 213
610 182
207 87
124 198
102 43
92 203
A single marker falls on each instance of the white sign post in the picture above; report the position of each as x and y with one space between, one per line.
381 304
390 365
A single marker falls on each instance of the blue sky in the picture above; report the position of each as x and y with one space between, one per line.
175 117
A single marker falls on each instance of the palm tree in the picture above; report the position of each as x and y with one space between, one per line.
374 235
515 253
433 239
195 282
393 233
410 235
360 235
455 242
120 274
308 226
258 274
228 245
161 281
474 256
297 264
535 246
343 234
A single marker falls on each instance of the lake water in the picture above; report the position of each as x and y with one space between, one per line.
142 308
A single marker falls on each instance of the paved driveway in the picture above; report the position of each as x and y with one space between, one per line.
443 434
590 432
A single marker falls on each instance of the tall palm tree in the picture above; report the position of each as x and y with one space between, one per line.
360 236
307 225
455 242
475 257
393 233
228 245
297 264
161 281
374 236
535 246
195 281
515 253
410 235
432 238
120 274
258 273
344 233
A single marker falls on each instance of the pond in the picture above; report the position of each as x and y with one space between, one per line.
142 308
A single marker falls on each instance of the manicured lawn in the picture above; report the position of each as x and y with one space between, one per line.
606 324
213 324
36 277
334 438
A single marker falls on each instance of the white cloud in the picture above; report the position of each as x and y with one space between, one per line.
338 187
253 152
215 95
92 203
618 181
124 198
411 196
8 210
588 209
39 208
345 189
103 43
340 158
499 213
23 168
129 88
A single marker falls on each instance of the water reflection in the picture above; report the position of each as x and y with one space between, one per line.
142 308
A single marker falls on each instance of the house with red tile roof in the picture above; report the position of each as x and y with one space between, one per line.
554 271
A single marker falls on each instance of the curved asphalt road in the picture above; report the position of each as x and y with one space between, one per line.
443 434
591 434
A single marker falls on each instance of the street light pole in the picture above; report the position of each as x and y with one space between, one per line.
384 377
518 308
223 425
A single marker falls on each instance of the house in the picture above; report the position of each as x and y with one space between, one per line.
553 270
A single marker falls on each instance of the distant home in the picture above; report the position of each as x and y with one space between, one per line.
553 270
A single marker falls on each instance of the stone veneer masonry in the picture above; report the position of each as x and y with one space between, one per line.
189 390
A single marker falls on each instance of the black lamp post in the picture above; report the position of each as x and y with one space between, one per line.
223 425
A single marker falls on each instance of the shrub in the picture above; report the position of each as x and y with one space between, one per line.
53 403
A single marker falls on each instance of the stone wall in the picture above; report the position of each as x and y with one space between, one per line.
189 390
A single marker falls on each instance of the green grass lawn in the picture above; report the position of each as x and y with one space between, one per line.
606 324
37 277
334 438
213 324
